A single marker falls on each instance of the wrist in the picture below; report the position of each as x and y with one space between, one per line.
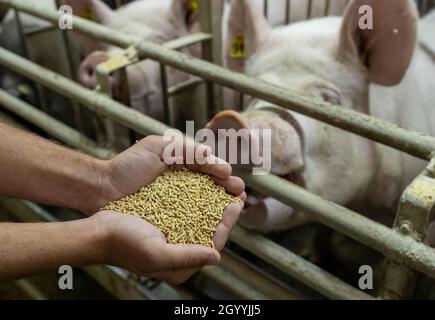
104 191
98 239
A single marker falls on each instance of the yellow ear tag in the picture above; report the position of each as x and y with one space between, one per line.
238 47
87 14
193 5
24 90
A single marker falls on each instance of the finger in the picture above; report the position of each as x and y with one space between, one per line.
182 256
197 157
243 197
224 228
233 185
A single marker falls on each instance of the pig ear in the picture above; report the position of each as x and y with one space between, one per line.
186 14
91 9
247 28
95 10
384 51
228 120
233 120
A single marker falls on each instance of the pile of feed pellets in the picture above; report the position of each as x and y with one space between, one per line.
186 206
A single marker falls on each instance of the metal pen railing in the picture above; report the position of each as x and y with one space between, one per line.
399 247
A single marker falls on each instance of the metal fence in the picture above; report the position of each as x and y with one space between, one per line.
401 245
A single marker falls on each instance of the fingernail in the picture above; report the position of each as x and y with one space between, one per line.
212 260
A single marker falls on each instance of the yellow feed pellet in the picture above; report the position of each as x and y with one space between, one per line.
186 206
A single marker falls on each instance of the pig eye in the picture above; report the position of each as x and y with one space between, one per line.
330 95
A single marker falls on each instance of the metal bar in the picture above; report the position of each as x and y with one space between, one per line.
207 51
117 281
165 94
309 9
40 90
409 141
390 242
93 100
337 217
100 102
288 5
327 7
246 271
266 8
233 283
71 71
412 219
52 126
296 267
125 285
183 86
187 41
422 258
217 12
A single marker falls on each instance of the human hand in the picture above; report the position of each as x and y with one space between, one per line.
134 244
141 164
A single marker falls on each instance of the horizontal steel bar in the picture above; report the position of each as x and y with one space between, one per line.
187 41
409 141
297 267
386 240
256 277
52 126
233 283
122 285
97 102
424 260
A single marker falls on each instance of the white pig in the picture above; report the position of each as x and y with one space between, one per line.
156 21
381 72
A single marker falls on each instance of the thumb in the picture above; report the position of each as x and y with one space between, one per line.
188 256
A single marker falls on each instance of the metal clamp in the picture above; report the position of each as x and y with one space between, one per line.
412 219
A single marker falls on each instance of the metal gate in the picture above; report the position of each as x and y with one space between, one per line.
401 245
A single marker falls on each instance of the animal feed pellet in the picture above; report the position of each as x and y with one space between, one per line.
186 206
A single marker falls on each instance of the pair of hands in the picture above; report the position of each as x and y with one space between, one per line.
137 245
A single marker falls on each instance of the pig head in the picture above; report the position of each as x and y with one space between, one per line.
375 71
155 21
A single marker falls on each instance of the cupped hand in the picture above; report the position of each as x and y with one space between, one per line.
141 164
137 245
134 244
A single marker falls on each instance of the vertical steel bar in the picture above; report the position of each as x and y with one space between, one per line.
211 22
309 9
217 47
327 7
165 95
109 126
71 71
207 52
118 3
266 8
288 5
40 89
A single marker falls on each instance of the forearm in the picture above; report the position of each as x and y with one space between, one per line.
35 169
31 248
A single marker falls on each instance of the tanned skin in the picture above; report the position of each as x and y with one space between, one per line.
38 170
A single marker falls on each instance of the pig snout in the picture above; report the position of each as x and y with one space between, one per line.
87 74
